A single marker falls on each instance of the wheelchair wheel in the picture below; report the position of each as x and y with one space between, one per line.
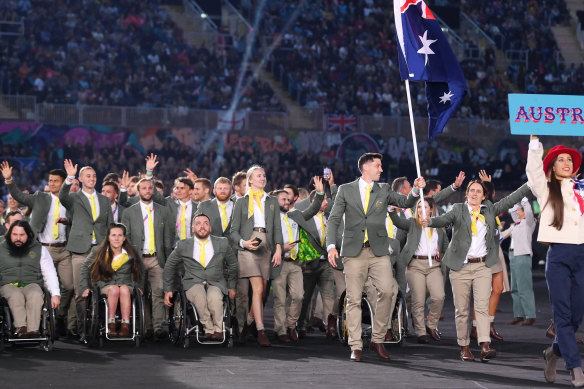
176 319
342 330
139 330
399 320
366 320
228 323
91 317
48 323
191 319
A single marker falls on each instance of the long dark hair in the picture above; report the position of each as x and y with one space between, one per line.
101 267
555 199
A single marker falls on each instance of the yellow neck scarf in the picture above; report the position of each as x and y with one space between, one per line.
254 195
119 260
475 216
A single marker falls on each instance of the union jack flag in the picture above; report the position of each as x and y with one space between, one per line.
342 123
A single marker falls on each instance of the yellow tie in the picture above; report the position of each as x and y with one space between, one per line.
322 228
367 193
257 195
390 227
224 219
151 242
93 212
476 215
293 252
56 220
183 222
202 258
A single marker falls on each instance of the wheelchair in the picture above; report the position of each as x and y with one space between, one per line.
95 319
398 321
184 324
46 328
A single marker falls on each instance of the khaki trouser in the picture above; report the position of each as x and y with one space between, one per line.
340 287
475 277
323 276
242 301
77 260
62 260
209 306
290 279
154 273
25 304
356 271
422 278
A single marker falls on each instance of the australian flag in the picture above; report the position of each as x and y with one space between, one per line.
425 55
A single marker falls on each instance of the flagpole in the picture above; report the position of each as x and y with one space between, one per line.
417 160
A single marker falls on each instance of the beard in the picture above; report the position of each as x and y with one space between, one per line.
284 209
202 237
18 251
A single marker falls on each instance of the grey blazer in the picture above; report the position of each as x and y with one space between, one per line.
39 202
163 230
211 209
122 276
195 273
82 224
348 203
459 218
242 226
305 220
127 202
305 203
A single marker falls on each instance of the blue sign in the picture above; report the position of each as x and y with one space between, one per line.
531 114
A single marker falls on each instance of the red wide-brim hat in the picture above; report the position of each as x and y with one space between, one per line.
561 149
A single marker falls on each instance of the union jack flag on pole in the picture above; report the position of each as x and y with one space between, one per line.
425 55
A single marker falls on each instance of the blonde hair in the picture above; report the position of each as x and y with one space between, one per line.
222 180
433 212
250 173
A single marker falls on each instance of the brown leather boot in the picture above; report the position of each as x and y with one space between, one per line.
124 330
111 328
487 353
331 327
465 354
551 331
263 339
494 334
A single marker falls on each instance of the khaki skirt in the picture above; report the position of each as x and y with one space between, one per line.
255 263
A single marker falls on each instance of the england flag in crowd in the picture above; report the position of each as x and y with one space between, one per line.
425 55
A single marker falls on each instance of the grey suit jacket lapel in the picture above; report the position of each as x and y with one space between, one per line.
467 220
356 193
375 190
86 204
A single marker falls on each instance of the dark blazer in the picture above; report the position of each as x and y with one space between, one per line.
121 210
195 273
163 230
82 224
39 202
348 203
459 218
242 226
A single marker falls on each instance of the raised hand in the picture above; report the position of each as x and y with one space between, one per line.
331 179
70 168
125 179
151 162
6 170
318 184
190 174
459 180
484 176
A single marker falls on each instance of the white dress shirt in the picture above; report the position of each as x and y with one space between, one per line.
259 216
145 215
478 244
209 252
188 213
294 226
46 235
422 249
116 211
228 209
49 272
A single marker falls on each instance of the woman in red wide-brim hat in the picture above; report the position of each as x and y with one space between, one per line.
562 228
